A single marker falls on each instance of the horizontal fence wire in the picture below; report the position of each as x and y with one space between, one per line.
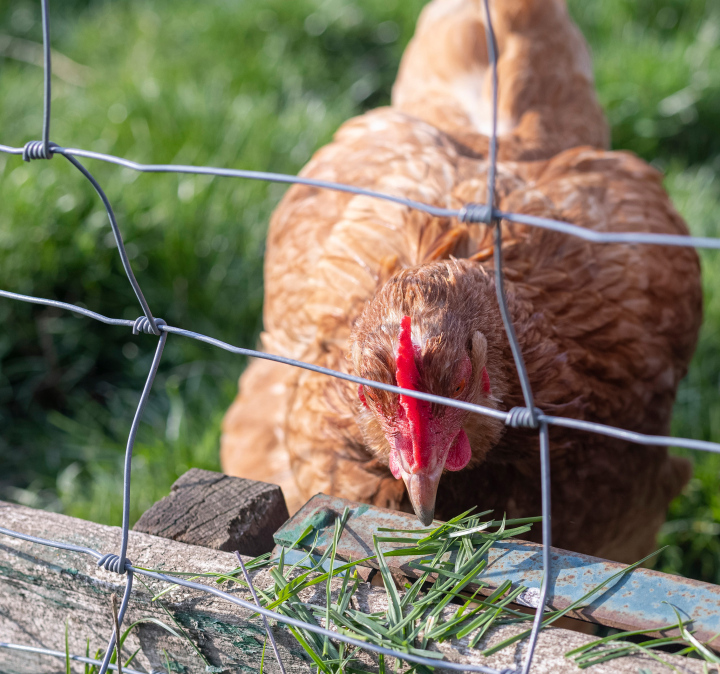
59 654
466 214
525 417
512 418
169 578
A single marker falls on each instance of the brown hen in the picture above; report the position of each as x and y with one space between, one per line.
385 292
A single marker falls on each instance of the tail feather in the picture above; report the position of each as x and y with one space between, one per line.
546 96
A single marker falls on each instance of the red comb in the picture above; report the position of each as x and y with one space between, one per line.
408 377
407 374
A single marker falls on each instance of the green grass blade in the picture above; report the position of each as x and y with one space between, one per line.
149 620
621 645
395 610
182 633
427 531
257 562
281 562
99 653
474 571
343 587
605 656
707 654
439 571
132 657
167 661
461 611
298 584
371 624
622 651
414 613
411 551
443 528
262 656
490 616
347 596
412 594
615 637
67 651
307 531
495 523
453 624
339 526
310 651
308 555
494 615
489 603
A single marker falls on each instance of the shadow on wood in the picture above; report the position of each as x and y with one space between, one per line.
41 588
219 512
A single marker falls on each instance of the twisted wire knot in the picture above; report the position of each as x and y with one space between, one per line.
521 417
475 213
35 149
111 562
143 324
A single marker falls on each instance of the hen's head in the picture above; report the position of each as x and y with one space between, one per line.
423 331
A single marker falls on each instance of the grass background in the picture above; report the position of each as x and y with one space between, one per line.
260 84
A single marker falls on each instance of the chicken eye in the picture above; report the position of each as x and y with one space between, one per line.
460 387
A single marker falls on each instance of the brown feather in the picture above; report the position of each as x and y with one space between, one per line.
607 331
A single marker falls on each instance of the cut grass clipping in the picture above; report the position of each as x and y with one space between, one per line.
617 645
413 619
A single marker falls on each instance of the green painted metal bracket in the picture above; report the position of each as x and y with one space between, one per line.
633 602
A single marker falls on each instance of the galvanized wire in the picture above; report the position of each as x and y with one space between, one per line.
47 77
168 578
60 654
546 543
517 417
121 615
530 417
645 238
118 241
131 443
269 632
527 417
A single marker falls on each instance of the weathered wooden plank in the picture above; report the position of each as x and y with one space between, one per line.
635 602
41 588
219 512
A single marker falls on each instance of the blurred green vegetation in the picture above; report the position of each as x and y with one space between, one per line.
259 84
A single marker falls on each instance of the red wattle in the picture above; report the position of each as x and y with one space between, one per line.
460 453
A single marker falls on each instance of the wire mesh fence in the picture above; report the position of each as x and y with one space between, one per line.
527 416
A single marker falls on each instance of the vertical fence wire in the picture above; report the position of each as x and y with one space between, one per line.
531 417
494 221
47 78
269 632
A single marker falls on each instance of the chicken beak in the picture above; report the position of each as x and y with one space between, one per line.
422 489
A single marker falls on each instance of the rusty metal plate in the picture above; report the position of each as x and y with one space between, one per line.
633 602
